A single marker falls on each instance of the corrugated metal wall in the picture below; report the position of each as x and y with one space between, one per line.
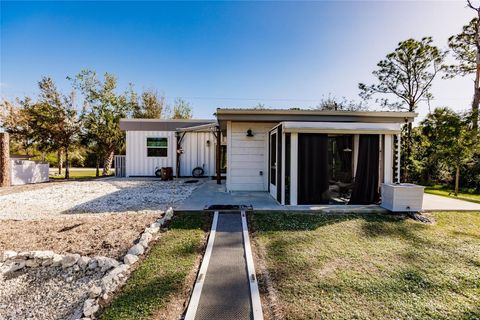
137 162
196 153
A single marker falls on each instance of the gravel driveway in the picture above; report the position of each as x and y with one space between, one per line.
92 218
97 196
100 217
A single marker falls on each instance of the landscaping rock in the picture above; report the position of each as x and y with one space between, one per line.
8 254
130 259
95 291
145 239
24 255
93 264
32 263
119 271
69 260
43 255
83 262
136 250
90 307
57 260
105 263
14 265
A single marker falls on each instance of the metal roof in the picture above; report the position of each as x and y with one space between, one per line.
162 124
280 115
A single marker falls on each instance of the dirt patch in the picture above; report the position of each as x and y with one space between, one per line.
107 234
271 306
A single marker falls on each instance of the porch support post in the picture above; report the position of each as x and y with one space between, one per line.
218 155
399 144
282 198
294 169
356 139
388 159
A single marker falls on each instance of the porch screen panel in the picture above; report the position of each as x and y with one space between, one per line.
279 164
313 168
365 189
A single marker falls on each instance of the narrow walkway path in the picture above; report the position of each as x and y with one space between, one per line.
223 287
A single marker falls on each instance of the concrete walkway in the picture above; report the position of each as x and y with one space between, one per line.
226 292
226 285
433 202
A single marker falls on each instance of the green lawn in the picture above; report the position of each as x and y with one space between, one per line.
372 266
162 276
77 173
441 191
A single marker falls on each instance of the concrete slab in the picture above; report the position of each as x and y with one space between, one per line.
433 202
211 193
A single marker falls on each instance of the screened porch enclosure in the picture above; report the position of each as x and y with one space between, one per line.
331 168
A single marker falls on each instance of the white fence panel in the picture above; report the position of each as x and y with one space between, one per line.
119 166
26 171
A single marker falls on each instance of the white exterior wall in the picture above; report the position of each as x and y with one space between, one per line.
198 153
247 156
137 162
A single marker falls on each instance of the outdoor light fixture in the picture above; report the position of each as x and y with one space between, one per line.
249 133
208 143
347 150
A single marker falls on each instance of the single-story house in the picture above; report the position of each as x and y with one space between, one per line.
298 156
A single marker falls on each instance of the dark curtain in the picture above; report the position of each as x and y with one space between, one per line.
365 190
313 169
344 142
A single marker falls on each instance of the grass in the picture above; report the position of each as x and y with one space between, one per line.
445 192
372 266
77 174
162 276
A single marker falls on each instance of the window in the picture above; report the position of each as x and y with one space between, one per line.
157 147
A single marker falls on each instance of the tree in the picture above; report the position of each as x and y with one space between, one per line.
16 121
181 109
260 106
404 79
102 113
465 48
55 121
333 104
447 134
151 106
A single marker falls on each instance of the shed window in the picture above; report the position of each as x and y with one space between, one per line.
157 147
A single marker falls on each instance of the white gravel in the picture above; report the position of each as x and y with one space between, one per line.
45 293
98 196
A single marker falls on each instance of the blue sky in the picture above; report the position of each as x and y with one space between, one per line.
218 54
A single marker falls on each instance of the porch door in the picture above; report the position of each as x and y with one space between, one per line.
273 163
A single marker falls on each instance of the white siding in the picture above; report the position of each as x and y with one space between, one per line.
198 153
247 156
137 162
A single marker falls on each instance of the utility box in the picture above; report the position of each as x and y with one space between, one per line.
402 197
